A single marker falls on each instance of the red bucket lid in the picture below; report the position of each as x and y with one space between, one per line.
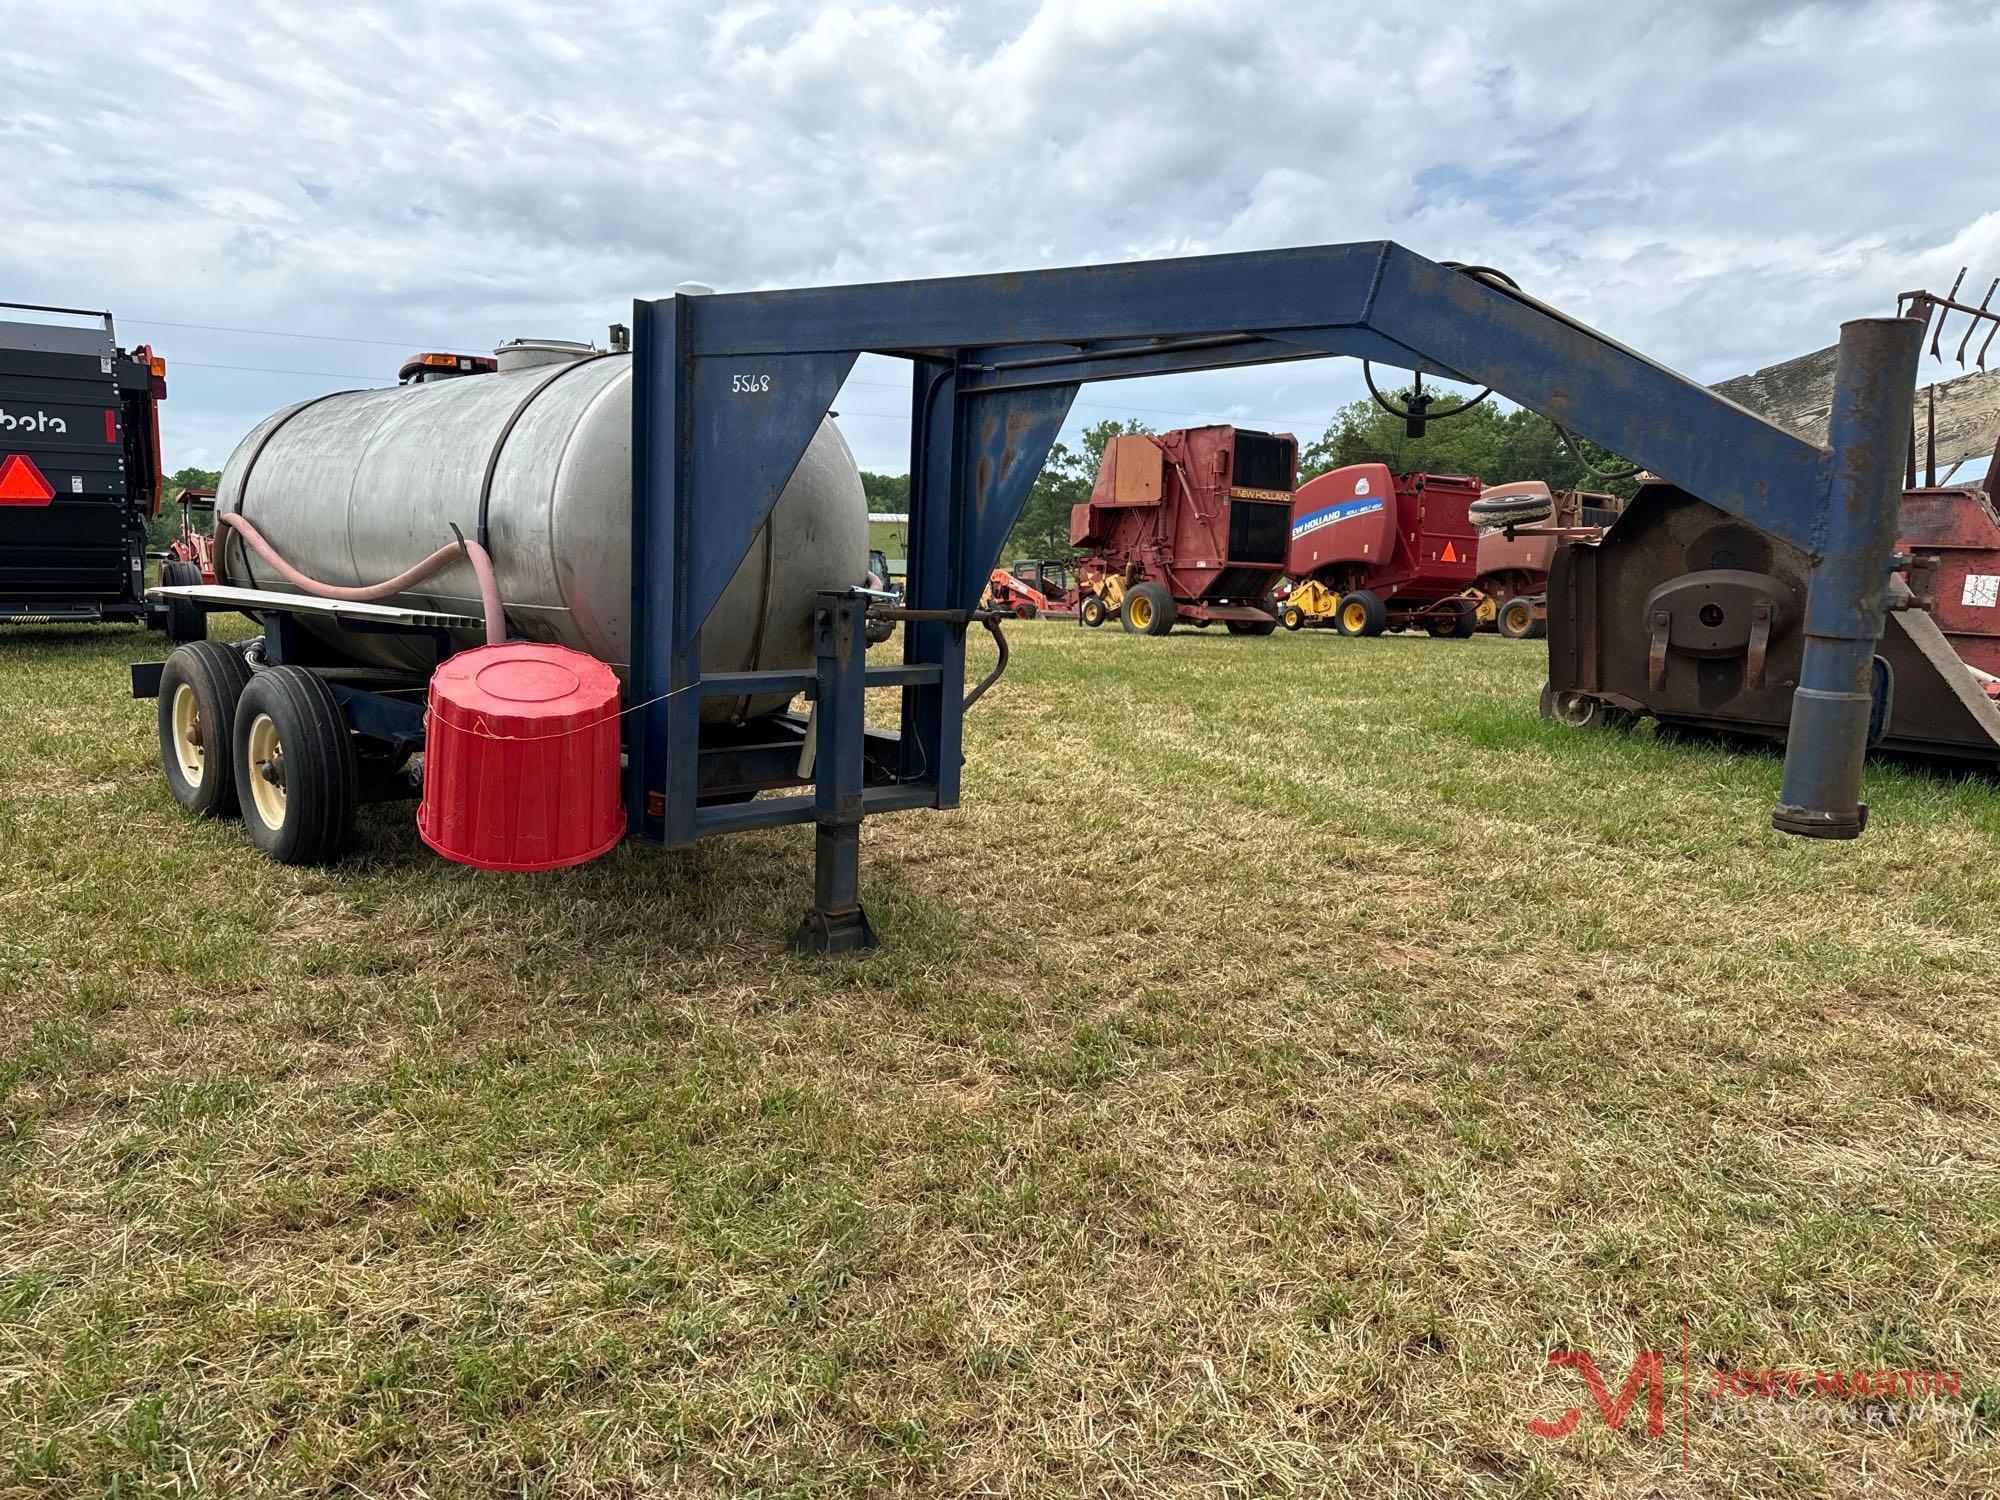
523 688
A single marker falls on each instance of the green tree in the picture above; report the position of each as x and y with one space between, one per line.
887 492
1495 446
165 526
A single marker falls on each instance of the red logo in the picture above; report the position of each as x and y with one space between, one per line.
1649 1372
21 483
1763 1395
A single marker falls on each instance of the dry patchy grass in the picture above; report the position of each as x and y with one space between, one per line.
1287 1047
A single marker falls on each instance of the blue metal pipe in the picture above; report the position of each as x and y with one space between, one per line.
1845 604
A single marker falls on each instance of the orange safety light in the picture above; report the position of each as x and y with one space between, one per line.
159 365
21 483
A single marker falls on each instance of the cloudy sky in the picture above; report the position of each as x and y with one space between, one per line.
1718 184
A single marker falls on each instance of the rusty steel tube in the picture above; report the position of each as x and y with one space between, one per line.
1873 393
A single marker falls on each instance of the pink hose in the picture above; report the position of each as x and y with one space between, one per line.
482 567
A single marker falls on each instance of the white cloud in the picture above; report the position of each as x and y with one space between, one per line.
1717 184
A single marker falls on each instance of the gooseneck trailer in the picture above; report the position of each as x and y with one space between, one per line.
729 393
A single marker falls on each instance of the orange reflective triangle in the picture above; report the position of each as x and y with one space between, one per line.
21 483
1449 554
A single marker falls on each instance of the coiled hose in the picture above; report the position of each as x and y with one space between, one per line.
472 552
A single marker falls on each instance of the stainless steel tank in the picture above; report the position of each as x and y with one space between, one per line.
355 487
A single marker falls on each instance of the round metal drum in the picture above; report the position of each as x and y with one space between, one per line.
355 487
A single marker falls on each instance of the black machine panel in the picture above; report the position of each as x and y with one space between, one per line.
1264 462
78 469
1260 531
69 551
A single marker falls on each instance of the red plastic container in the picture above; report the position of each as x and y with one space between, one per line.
521 758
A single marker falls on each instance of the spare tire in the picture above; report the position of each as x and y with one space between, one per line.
1491 511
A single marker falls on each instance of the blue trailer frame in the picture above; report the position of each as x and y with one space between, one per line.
730 390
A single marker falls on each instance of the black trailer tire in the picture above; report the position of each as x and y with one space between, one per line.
295 767
1295 618
1252 627
1149 609
199 688
1361 613
1091 611
1516 619
186 621
1510 510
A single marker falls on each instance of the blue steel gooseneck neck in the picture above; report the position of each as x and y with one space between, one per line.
731 388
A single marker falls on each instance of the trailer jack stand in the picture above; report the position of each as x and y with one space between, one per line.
836 924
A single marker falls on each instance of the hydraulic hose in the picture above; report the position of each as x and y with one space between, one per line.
472 552
992 624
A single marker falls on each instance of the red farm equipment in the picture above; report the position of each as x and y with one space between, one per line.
1187 525
189 559
1513 566
1952 535
194 543
1016 595
1371 552
1046 588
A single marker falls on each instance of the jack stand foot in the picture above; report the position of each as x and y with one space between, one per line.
827 934
836 923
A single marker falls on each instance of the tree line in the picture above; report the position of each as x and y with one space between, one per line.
166 525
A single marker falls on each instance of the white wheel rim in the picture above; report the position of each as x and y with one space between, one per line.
188 735
267 772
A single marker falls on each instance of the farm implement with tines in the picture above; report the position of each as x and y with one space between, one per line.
1694 617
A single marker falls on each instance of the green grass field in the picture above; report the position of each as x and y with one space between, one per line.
891 538
1287 1047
